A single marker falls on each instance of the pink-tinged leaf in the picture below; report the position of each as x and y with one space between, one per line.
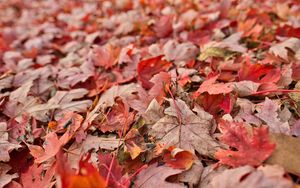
149 67
51 147
213 88
251 149
163 26
268 112
161 82
6 178
180 51
105 56
34 176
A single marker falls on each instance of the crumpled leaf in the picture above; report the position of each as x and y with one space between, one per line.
178 158
155 176
5 145
247 177
65 100
134 143
251 150
182 128
118 119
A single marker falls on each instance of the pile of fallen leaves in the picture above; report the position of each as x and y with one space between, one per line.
149 93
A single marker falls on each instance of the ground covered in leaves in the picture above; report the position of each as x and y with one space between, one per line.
150 93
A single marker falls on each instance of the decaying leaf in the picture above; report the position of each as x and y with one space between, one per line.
95 142
215 52
182 128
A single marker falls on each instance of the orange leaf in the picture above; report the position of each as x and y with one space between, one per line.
178 158
87 176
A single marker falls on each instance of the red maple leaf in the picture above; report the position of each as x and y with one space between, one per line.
213 104
110 168
213 88
259 73
149 67
251 150
161 83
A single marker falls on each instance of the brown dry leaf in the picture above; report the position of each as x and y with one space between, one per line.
282 49
95 142
249 177
179 52
192 134
286 153
5 145
268 113
193 175
155 176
